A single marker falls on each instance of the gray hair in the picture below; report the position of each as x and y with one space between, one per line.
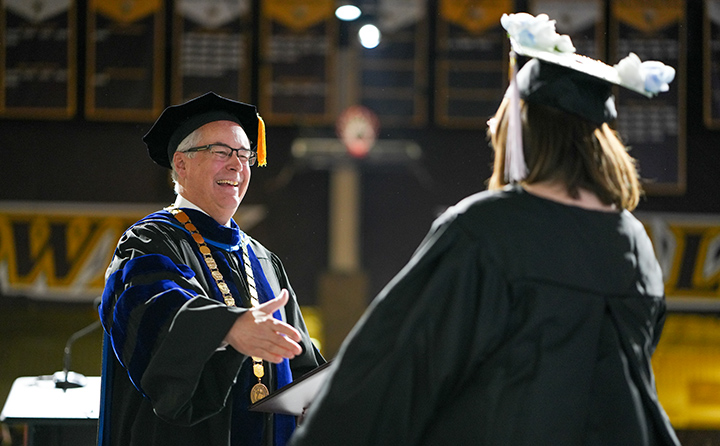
189 141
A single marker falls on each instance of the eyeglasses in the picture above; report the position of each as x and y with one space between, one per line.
224 152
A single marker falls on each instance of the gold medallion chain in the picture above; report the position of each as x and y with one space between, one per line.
259 390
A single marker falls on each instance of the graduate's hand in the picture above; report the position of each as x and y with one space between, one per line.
257 333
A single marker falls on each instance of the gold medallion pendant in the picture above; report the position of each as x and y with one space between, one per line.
258 392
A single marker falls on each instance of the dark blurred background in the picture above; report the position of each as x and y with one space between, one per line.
74 147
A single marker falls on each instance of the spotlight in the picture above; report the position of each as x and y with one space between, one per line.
347 13
369 36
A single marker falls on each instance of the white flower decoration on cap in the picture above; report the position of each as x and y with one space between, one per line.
650 77
536 37
536 32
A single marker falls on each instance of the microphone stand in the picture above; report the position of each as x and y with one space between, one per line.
65 379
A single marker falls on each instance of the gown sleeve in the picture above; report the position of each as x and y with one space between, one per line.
164 330
449 305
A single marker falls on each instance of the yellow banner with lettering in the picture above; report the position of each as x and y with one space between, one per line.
298 14
475 16
688 249
649 15
62 250
126 11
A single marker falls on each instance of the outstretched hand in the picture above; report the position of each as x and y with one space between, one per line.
257 333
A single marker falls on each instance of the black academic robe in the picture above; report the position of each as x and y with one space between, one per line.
167 377
518 321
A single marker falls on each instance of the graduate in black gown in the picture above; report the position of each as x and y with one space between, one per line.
529 314
200 318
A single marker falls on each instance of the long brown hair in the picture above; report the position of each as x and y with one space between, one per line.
560 147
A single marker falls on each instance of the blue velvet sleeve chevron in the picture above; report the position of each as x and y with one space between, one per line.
163 329
167 298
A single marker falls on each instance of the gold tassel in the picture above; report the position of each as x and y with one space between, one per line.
261 150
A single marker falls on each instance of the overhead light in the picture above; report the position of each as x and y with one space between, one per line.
347 13
369 36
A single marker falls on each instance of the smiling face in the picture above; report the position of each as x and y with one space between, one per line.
216 186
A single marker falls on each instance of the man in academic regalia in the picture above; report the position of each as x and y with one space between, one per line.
200 319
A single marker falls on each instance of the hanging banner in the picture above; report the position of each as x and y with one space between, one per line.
298 15
212 41
39 41
59 252
653 128
298 48
51 250
125 60
392 76
711 63
582 20
471 61
688 249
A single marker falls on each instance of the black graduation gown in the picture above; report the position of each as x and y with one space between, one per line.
518 321
165 319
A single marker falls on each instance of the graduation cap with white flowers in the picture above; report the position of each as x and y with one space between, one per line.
557 77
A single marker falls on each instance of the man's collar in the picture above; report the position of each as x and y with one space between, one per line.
182 202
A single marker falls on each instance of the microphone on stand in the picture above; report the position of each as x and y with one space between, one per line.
65 379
